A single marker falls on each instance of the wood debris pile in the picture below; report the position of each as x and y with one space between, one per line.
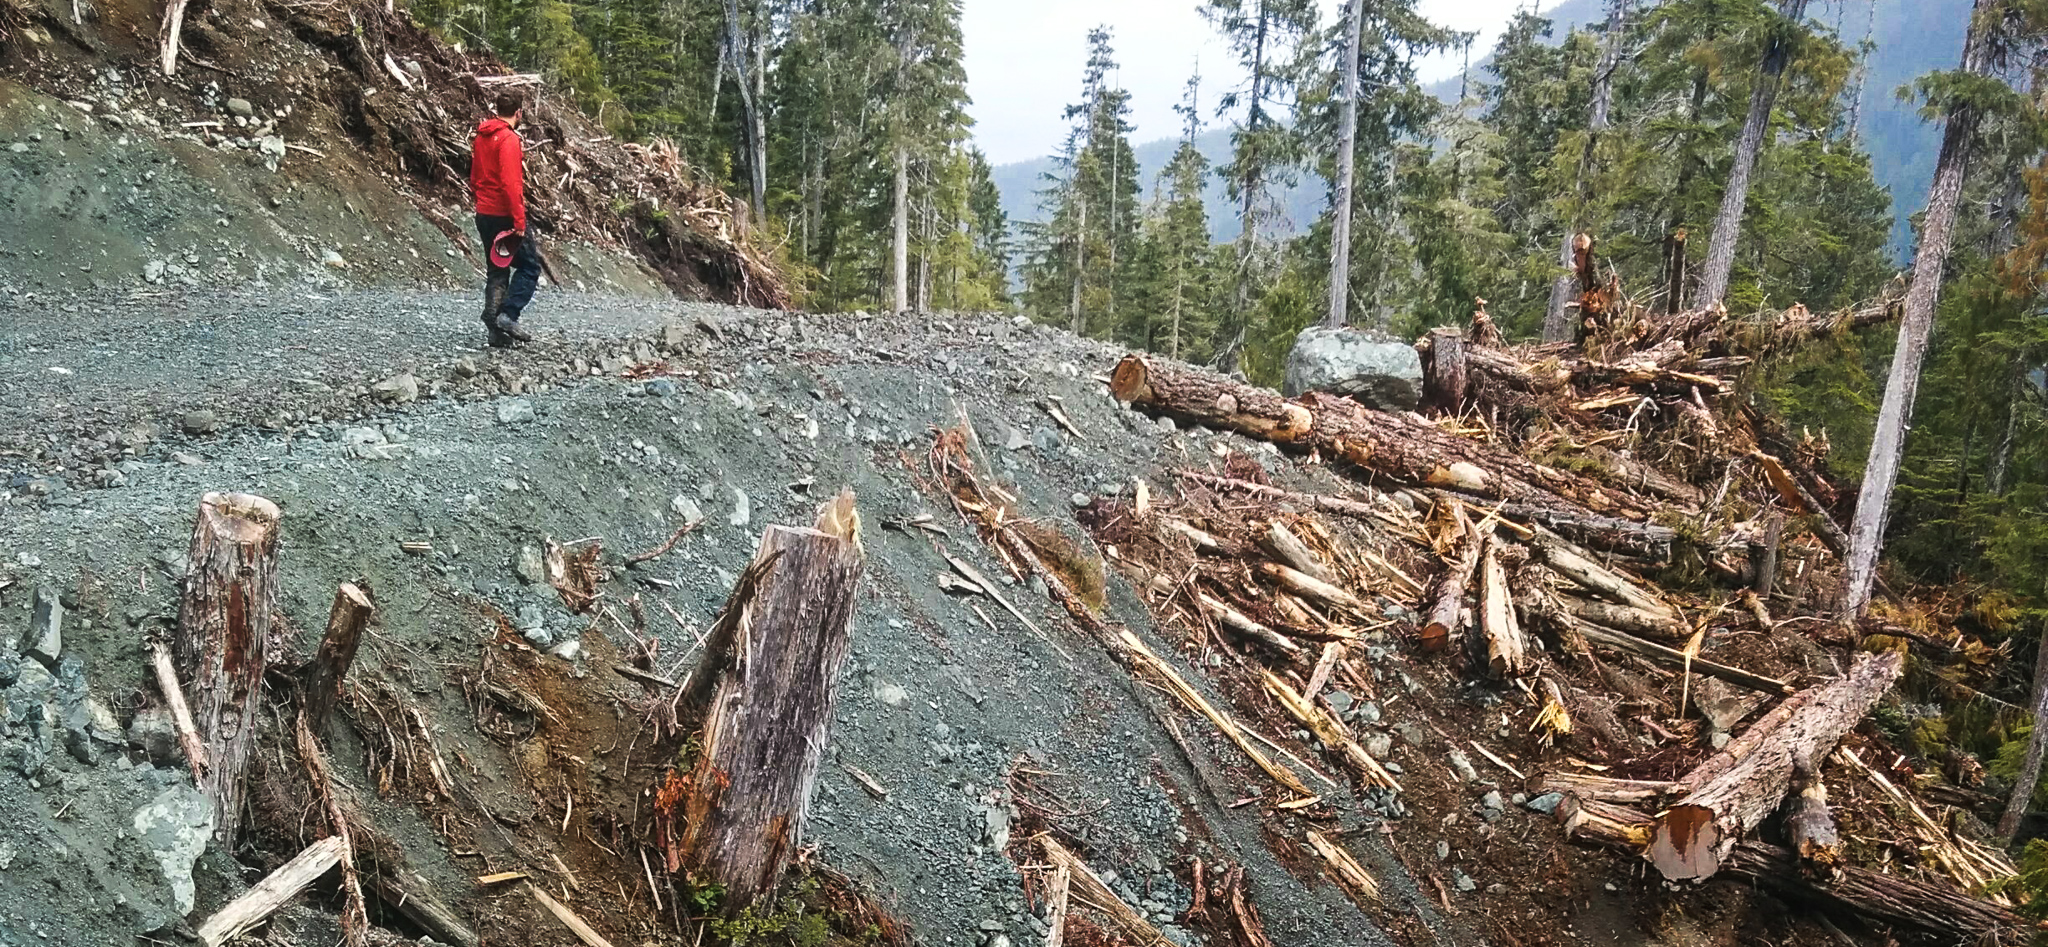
1607 539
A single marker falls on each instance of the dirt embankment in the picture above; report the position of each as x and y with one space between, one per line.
961 731
312 144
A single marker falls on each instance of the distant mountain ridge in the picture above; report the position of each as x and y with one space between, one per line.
1912 37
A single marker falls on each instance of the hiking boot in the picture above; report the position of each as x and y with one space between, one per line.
511 327
499 340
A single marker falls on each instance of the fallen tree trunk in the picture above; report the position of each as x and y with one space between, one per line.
765 729
256 905
1625 618
1693 837
1286 548
1625 537
1672 657
1857 893
1598 578
1401 447
224 638
1808 825
1446 616
181 712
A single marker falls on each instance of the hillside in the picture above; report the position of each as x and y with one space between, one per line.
1911 38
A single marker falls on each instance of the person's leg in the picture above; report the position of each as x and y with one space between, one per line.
525 276
496 278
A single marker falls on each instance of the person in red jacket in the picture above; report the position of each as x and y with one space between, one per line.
497 176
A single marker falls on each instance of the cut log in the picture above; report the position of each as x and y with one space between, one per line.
569 919
766 727
1174 684
1624 537
1763 558
1446 616
1672 657
1870 896
1311 587
1286 548
1692 838
256 905
1329 731
1507 653
1663 627
323 676
223 643
1403 447
1087 889
1595 577
181 712
406 893
1056 904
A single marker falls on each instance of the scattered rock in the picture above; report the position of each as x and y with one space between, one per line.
515 411
1377 369
1546 803
174 827
153 732
1462 765
333 260
892 695
153 271
241 107
1015 440
685 508
529 567
1340 701
661 387
567 650
401 388
45 627
742 508
465 367
1463 882
202 421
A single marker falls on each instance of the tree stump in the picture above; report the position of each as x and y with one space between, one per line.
345 624
223 644
768 715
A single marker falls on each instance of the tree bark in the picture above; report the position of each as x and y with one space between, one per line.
1446 617
1888 443
256 905
1807 823
1856 893
345 624
223 644
1286 548
1443 371
899 252
173 25
1507 653
1692 839
2030 766
765 730
1728 223
1674 271
1347 141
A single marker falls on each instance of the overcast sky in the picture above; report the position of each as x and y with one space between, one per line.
1024 61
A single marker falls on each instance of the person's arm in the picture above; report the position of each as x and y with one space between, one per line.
512 167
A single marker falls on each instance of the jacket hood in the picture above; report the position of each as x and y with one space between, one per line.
492 126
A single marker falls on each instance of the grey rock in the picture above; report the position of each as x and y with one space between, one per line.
401 388
567 650
1368 713
271 145
1379 746
1340 701
45 626
515 411
1722 704
153 271
1048 441
333 259
529 567
1546 803
1443 850
1410 733
466 367
1463 882
1377 369
661 387
1462 765
1166 425
539 636
239 106
368 443
153 732
685 508
10 667
742 508
1080 500
1492 801
892 695
174 828
201 421
1015 440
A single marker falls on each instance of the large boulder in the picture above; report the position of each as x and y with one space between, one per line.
1375 368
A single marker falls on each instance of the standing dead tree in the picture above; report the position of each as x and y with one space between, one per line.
223 643
777 679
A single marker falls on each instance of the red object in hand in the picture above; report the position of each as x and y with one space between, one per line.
505 247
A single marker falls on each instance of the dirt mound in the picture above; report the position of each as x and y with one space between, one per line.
316 141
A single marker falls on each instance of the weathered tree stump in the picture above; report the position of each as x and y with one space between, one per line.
345 624
768 714
223 643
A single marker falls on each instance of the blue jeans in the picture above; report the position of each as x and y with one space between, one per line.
524 272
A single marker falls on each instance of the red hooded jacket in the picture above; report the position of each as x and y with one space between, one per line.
497 173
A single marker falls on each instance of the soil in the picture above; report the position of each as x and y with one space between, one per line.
626 419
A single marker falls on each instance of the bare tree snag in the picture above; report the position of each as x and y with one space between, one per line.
1763 556
181 713
1941 910
345 624
765 729
257 904
1693 838
223 643
167 48
1674 272
1507 654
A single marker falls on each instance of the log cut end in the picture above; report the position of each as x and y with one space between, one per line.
1685 843
238 518
1129 383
